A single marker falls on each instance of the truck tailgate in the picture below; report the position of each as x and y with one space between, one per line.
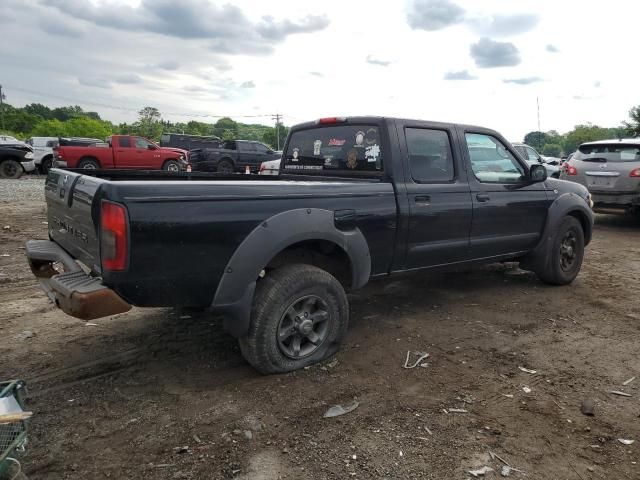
73 219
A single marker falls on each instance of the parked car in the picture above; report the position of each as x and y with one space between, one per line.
121 152
532 156
42 152
15 160
232 156
610 169
189 142
9 140
272 167
358 198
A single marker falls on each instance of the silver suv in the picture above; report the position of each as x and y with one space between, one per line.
531 156
610 169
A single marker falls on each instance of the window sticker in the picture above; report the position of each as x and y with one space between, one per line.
352 158
372 153
371 137
336 142
359 139
316 147
296 152
329 162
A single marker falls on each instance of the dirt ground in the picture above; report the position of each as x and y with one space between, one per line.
166 394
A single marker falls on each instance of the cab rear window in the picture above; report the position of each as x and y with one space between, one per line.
608 152
344 149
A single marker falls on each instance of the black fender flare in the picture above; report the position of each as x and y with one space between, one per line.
566 204
234 295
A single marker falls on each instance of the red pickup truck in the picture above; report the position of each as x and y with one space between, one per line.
122 151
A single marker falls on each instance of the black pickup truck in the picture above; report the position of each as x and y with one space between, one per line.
357 198
231 156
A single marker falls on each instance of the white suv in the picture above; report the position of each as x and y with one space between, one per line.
43 152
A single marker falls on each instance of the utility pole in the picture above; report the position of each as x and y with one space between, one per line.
2 97
277 118
538 103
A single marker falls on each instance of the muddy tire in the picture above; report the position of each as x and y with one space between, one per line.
564 259
224 166
10 168
299 317
89 164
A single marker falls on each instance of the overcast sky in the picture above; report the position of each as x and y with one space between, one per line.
470 61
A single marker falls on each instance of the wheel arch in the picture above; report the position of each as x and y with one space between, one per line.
568 204
305 235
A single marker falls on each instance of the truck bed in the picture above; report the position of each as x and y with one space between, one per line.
184 227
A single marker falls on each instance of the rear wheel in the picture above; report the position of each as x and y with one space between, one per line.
562 263
171 166
225 166
10 168
88 164
299 317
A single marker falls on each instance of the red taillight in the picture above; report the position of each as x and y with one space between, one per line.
570 169
114 234
329 120
635 173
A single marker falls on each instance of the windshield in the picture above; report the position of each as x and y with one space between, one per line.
608 152
337 148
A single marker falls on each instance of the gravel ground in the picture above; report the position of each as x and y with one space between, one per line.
28 187
162 394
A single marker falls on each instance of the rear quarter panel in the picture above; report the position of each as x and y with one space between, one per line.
73 155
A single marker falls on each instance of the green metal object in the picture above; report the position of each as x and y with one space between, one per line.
13 436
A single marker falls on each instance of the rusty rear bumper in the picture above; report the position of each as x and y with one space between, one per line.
75 292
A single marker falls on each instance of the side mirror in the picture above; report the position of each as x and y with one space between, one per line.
537 173
151 147
269 152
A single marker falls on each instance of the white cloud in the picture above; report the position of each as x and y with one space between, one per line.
488 53
459 75
309 59
434 14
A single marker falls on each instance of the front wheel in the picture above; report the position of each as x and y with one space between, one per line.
171 166
564 259
11 169
225 166
45 166
299 317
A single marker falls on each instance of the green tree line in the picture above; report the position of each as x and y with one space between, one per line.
554 144
37 120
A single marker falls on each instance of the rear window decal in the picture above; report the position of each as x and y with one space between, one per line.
371 137
372 153
335 142
359 139
296 152
316 147
352 159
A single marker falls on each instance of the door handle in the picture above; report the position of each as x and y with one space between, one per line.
423 199
482 197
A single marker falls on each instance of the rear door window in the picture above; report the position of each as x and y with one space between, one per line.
430 157
124 142
338 149
612 152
